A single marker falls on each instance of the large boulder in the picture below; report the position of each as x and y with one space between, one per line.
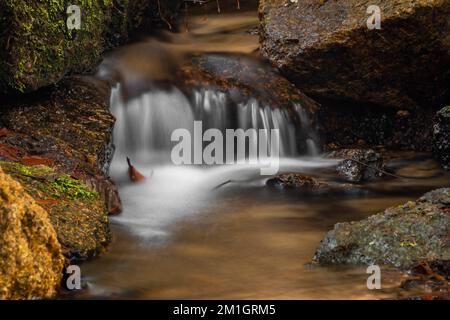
400 236
38 49
327 50
441 137
31 262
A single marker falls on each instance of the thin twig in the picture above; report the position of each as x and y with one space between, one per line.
385 172
162 17
218 6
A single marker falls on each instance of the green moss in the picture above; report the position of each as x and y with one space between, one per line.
65 186
35 171
52 184
40 47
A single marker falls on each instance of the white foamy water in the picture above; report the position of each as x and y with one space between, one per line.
142 132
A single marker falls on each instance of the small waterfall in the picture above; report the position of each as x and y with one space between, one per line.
145 123
143 132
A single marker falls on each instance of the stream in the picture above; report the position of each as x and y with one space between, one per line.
180 236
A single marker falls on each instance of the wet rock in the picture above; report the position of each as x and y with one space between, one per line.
311 186
107 191
441 137
428 281
327 50
400 236
72 114
64 133
76 212
345 123
244 77
358 164
31 262
295 181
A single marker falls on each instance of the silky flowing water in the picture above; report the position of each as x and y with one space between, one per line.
197 232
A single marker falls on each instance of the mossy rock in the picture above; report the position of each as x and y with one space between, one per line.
40 49
76 212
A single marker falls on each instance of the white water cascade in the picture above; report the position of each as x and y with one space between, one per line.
143 131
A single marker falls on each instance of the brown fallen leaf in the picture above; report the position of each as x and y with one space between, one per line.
135 175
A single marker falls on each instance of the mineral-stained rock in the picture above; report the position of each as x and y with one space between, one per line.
31 262
75 112
107 191
67 128
441 137
358 164
327 50
400 236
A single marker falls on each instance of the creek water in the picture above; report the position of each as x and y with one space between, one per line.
181 236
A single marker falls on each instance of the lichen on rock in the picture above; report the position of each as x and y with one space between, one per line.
31 261
400 236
